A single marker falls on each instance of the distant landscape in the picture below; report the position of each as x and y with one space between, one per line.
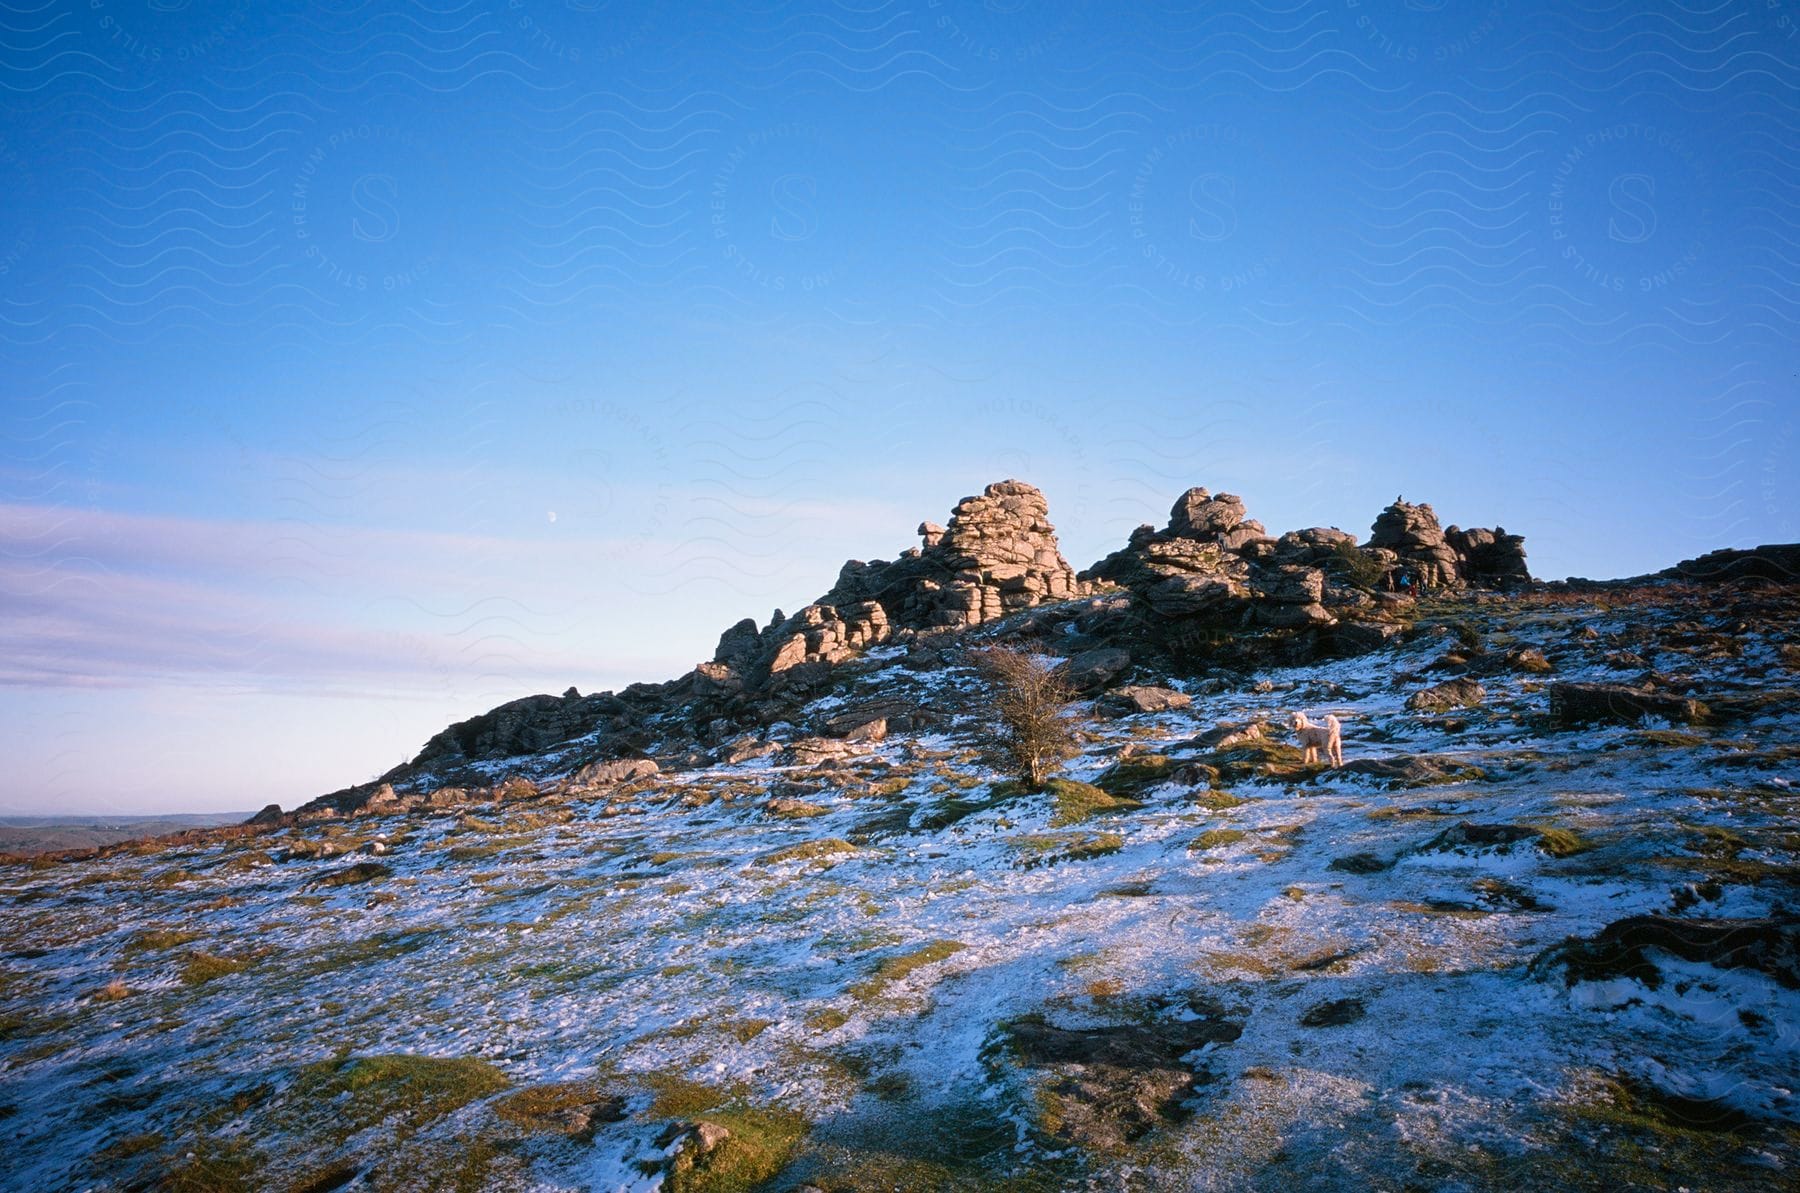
35 834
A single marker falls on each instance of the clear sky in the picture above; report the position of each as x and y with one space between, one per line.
368 364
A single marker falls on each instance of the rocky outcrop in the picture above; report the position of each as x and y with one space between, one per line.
1211 564
1408 541
1775 562
998 556
525 726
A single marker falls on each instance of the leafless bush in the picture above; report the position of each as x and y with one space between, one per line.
1030 700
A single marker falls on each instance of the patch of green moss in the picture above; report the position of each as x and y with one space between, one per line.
355 875
828 1019
1217 838
1047 849
215 1168
204 967
405 1090
548 1108
1072 802
806 851
1560 842
155 940
1129 778
795 809
895 968
758 1144
1214 800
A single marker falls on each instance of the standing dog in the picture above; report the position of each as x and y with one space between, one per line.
1313 738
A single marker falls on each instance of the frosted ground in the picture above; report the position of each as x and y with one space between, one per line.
903 975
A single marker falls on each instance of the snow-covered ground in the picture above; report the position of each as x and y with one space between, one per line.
857 977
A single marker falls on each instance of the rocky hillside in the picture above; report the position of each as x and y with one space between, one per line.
780 924
1211 590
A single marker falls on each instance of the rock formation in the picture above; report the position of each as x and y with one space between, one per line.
1212 584
1407 536
998 555
1213 564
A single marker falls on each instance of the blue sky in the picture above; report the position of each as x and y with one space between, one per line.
368 364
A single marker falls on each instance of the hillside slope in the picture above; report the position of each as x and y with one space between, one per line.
1498 949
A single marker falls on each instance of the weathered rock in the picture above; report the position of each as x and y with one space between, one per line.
526 726
270 815
1411 770
1211 566
1142 698
1092 670
1360 863
744 749
1334 1012
1583 703
872 720
1775 562
998 555
610 771
1224 737
515 788
1432 557
809 750
1454 693
1360 637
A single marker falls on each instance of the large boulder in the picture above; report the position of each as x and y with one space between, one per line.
1454 693
611 771
1582 703
1140 698
1092 670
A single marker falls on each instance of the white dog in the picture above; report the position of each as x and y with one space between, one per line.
1313 738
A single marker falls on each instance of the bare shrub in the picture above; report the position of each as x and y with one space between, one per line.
1030 699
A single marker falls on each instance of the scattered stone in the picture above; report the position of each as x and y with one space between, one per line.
1335 1013
746 748
515 788
1360 863
1142 698
1411 770
1454 693
809 750
611 771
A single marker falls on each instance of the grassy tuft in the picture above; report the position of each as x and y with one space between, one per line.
1073 802
896 968
825 847
1217 838
1047 849
412 1091
204 967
